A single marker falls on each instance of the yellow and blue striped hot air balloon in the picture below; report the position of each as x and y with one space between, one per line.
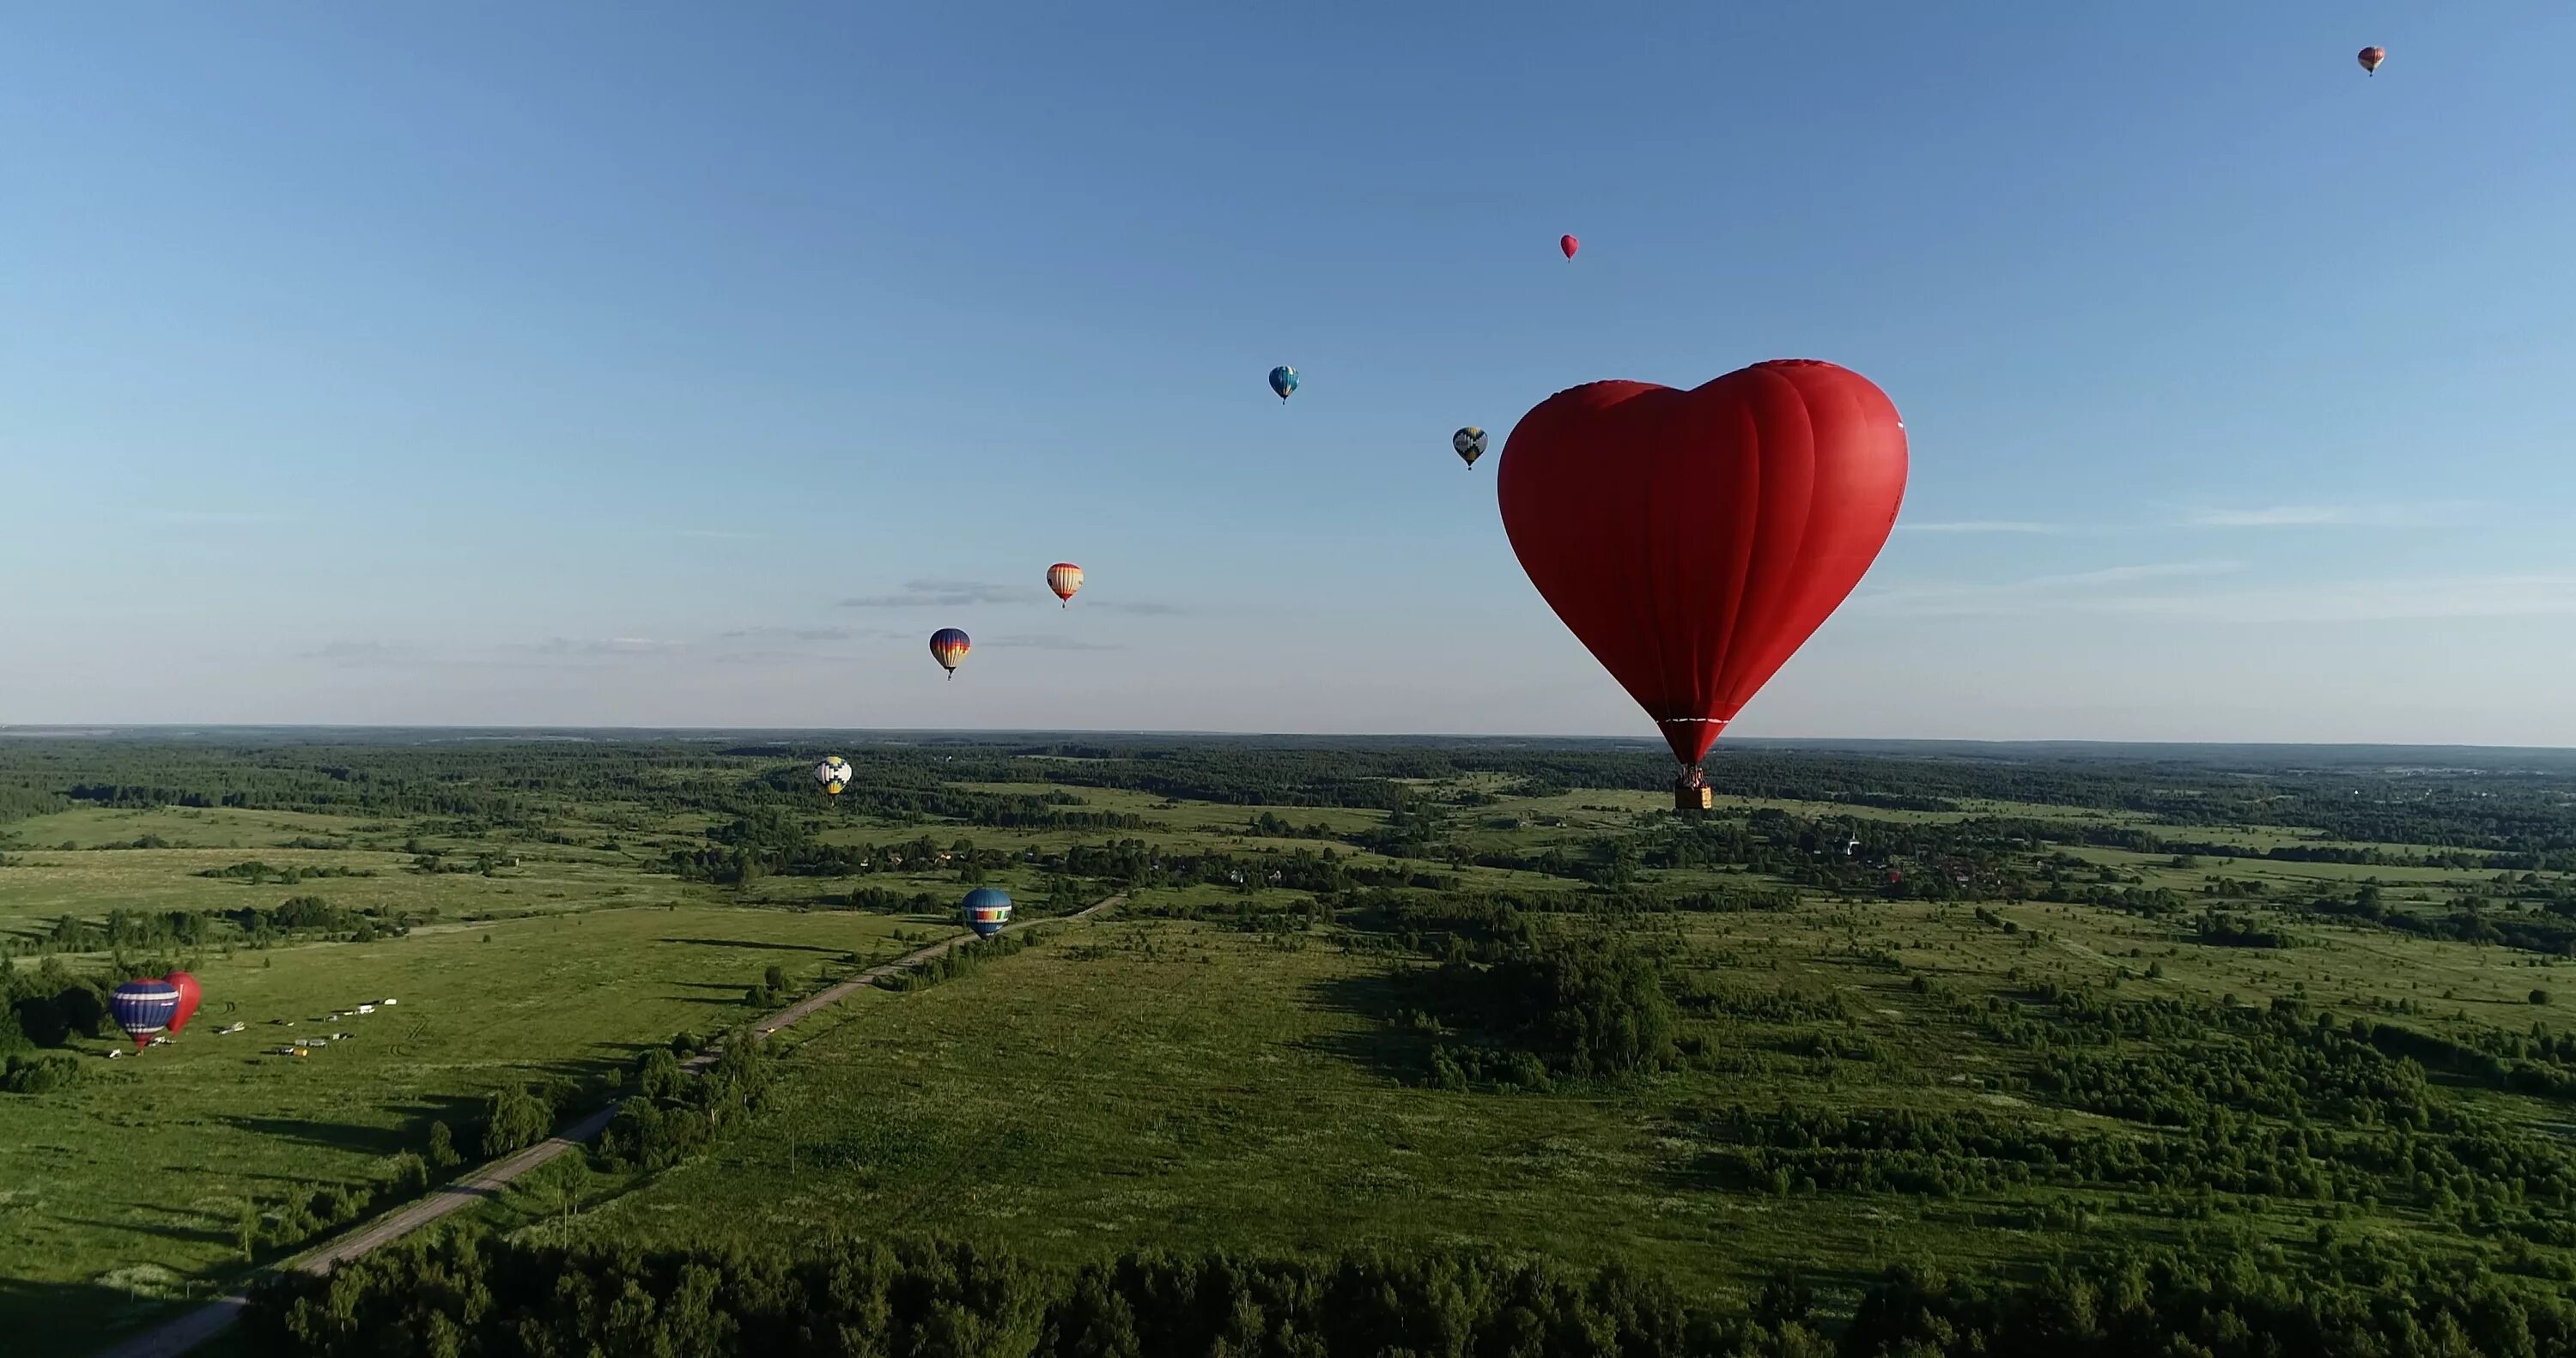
948 646
986 910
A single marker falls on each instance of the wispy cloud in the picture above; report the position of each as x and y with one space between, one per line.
2121 575
2032 593
1982 526
1052 643
214 515
597 646
363 653
947 594
2425 515
803 633
2463 596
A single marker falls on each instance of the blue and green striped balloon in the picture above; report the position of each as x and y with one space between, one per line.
986 910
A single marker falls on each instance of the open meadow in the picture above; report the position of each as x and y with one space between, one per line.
1874 1007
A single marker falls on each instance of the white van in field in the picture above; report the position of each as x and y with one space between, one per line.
366 1009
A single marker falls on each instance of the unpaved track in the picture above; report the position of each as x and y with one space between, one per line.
204 1323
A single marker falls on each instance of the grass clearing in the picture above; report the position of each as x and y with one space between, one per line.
148 1161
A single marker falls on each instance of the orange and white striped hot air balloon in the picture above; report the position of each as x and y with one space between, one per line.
1064 578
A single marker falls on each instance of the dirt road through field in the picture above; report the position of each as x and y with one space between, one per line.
204 1323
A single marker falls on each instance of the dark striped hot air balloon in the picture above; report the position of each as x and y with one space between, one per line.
948 646
186 985
2370 59
986 910
1469 443
143 1007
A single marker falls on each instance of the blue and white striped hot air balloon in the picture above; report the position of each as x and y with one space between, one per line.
987 909
143 1007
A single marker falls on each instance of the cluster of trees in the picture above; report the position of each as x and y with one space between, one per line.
285 1225
454 1292
669 1113
2222 930
907 785
458 1293
258 873
776 843
128 932
2553 934
46 1005
1522 1001
1271 825
965 959
1132 863
770 842
2284 1102
2539 1062
2233 1303
39 1074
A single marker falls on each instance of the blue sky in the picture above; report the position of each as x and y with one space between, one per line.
674 363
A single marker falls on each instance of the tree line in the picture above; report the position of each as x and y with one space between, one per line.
454 1292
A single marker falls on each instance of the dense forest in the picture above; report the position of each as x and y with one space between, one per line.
2219 1297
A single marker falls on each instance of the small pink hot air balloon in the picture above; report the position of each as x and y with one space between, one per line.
1569 245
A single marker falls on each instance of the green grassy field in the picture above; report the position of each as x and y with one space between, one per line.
1163 1082
133 1182
1216 1065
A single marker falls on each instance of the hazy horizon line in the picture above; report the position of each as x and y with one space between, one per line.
34 729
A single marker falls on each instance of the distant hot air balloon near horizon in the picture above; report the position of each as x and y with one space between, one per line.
1470 443
1283 380
948 646
833 773
142 1007
1569 245
1064 578
986 910
2370 59
189 994
1693 540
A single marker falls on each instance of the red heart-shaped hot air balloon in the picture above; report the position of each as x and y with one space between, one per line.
186 985
1569 245
1695 539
